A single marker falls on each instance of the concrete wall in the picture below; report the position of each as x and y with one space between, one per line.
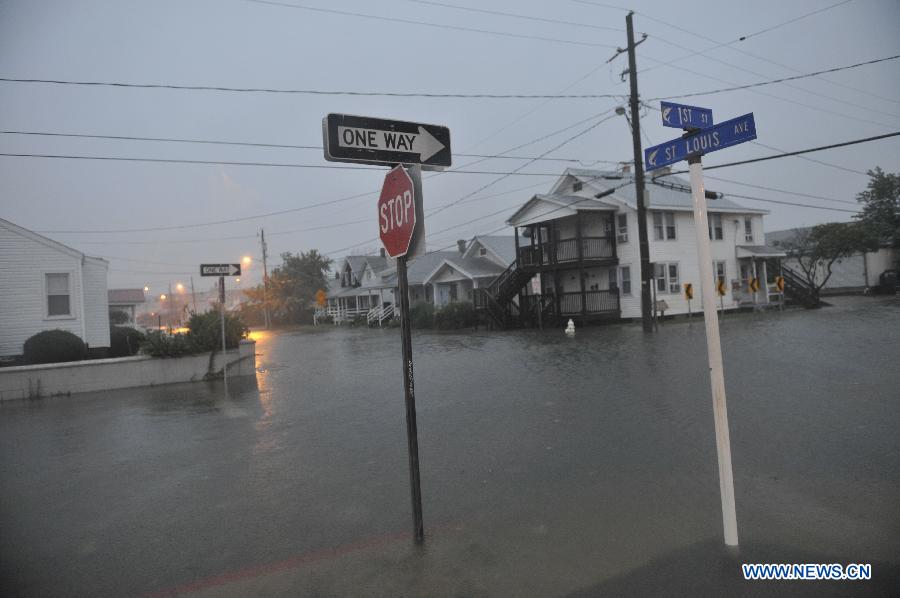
96 302
33 381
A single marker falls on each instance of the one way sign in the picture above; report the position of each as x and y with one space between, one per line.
220 269
368 140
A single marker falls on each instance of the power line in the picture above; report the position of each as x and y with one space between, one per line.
808 159
796 153
427 24
269 145
518 16
780 80
240 163
765 188
791 203
318 92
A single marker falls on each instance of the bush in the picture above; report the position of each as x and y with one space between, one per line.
160 344
421 315
454 316
206 331
54 346
124 341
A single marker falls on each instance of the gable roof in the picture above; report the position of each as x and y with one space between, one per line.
30 234
560 206
674 194
503 247
471 267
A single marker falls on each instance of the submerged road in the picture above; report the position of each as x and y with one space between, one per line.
550 466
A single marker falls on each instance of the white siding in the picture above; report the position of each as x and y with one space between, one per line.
23 302
879 261
96 306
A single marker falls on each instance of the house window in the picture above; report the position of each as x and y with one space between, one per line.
667 277
719 270
482 251
625 278
622 228
715 227
577 186
748 230
664 226
58 303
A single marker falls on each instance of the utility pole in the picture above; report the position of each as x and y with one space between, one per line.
262 242
193 295
643 242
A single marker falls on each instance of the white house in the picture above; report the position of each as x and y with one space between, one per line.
47 285
126 301
578 244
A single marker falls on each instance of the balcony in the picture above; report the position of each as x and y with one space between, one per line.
570 304
565 251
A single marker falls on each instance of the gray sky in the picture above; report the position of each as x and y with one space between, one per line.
238 43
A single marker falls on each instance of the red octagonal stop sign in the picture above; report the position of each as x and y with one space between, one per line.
397 212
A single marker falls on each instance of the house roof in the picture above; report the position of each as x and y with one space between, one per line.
376 262
758 251
357 263
673 194
502 246
30 234
125 296
565 205
470 267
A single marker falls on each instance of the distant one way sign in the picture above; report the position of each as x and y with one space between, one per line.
220 269
368 140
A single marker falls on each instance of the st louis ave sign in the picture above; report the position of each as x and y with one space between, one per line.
369 140
397 212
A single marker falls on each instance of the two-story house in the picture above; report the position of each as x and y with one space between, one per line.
578 256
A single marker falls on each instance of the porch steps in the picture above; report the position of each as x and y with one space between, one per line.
496 300
799 291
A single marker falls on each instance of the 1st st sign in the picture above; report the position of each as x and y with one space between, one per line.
682 116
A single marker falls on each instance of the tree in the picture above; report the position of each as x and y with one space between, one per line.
881 207
292 288
817 249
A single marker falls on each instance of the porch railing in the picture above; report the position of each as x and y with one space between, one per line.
595 302
566 250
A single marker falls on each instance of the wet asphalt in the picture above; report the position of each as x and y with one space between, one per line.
551 466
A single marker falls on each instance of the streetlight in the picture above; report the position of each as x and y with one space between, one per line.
246 260
179 287
146 288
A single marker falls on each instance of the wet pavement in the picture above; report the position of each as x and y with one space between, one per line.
551 466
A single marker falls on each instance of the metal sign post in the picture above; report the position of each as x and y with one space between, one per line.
222 320
691 147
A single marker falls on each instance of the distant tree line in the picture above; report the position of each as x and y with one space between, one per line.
818 249
291 290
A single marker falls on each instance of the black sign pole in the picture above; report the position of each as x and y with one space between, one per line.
412 435
222 320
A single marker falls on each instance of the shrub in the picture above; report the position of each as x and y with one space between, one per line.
421 315
124 341
160 344
206 331
454 316
54 346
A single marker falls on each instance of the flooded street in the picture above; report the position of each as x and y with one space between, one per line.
550 466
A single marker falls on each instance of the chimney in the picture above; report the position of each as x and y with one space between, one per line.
461 243
381 252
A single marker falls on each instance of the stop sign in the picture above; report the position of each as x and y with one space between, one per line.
397 212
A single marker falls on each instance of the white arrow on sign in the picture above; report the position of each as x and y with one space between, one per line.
665 114
422 143
224 270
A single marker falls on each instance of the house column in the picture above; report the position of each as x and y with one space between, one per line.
764 285
755 293
516 233
580 253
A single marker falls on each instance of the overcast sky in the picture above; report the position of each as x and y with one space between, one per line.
245 43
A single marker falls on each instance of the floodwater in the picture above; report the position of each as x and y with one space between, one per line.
551 466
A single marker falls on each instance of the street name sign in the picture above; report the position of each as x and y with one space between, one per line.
397 212
220 269
731 132
368 140
682 116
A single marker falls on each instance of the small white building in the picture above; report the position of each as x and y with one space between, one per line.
126 301
45 285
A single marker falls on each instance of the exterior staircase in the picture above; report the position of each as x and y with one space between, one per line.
495 302
799 291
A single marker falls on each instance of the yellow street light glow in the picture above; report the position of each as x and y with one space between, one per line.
146 289
247 260
237 280
179 287
162 297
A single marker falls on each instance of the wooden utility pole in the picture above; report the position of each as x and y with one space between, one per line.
643 242
262 242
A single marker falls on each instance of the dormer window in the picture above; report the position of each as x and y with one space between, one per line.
482 252
577 186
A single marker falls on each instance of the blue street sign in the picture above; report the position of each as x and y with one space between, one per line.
725 134
682 116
